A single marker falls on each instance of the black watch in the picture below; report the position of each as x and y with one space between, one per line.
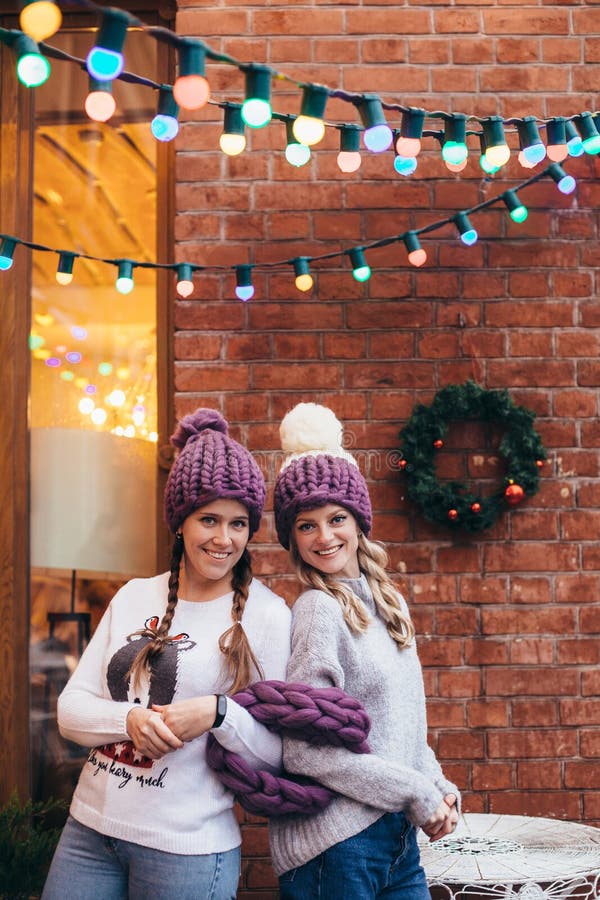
221 710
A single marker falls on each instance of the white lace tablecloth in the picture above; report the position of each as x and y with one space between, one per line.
496 857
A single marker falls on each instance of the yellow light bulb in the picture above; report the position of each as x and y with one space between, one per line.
304 282
308 130
498 156
64 278
232 144
40 20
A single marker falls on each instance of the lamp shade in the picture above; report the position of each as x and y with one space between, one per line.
93 501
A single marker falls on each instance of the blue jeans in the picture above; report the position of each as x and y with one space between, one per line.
383 861
88 865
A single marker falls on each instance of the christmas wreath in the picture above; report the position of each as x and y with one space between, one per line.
452 503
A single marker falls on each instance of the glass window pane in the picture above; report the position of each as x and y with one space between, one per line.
93 377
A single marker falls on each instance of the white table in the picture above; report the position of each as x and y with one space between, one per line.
494 857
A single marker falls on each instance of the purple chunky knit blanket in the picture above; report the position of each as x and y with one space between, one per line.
317 715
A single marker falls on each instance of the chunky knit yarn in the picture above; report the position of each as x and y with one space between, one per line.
210 465
317 470
317 715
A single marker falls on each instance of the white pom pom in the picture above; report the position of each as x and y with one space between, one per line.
309 430
309 427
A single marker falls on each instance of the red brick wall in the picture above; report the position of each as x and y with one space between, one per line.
508 619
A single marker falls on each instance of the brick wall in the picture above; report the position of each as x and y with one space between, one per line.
508 619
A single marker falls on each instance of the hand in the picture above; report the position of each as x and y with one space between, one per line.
443 821
188 719
149 733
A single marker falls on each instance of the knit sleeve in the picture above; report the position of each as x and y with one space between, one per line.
85 715
318 635
240 732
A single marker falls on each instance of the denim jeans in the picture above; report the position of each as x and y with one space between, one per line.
383 861
88 865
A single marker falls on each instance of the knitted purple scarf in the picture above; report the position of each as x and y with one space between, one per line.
317 715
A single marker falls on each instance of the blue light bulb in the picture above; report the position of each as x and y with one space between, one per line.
104 64
405 165
164 128
378 138
567 184
244 292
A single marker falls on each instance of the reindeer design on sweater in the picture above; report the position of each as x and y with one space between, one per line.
158 687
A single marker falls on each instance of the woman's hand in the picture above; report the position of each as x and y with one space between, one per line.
149 733
188 719
443 821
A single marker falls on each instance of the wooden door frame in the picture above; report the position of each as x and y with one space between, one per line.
16 170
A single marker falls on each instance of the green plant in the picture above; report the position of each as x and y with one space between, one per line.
26 846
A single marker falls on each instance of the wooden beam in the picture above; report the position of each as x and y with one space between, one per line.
16 182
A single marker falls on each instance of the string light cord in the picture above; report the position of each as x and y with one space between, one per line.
165 35
410 238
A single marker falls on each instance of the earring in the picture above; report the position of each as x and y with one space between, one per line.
179 535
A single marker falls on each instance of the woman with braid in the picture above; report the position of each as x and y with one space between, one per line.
351 629
149 819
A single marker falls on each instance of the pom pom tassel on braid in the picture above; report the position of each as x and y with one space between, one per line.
317 715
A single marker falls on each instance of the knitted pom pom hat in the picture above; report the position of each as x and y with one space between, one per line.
210 465
317 470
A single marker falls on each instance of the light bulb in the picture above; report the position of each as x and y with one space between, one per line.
185 285
244 289
360 270
191 89
468 234
33 69
303 280
377 136
40 19
7 249
309 131
348 161
232 144
124 282
349 158
256 108
408 147
309 127
99 416
100 104
105 60
297 154
405 165
416 254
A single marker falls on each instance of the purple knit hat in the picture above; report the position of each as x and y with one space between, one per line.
210 465
317 470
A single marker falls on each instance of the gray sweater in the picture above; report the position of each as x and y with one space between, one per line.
401 773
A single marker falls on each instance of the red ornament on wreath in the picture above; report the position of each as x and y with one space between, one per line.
438 444
453 514
475 507
514 493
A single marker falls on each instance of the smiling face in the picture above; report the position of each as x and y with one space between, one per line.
214 537
327 540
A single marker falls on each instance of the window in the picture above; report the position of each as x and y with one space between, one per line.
93 398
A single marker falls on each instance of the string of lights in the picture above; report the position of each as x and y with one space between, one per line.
566 135
300 265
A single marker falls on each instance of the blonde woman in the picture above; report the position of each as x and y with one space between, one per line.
351 629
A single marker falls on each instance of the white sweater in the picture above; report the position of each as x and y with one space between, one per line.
400 773
176 803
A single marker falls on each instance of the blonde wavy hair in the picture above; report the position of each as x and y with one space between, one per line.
372 560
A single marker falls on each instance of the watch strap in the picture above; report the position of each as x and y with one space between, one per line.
221 710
